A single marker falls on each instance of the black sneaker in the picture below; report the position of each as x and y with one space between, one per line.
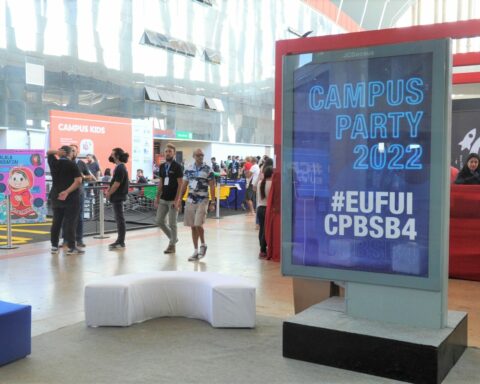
75 251
116 245
81 244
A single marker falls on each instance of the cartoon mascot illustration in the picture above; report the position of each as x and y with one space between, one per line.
20 181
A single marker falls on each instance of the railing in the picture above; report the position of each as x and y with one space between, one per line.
139 211
98 216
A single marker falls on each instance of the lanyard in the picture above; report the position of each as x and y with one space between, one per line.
167 168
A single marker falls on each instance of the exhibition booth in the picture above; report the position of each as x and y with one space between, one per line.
363 142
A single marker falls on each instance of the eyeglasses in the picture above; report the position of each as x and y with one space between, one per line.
199 155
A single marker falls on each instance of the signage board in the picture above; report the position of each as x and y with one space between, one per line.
364 170
22 177
93 134
183 135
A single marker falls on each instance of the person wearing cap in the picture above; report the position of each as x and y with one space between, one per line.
64 196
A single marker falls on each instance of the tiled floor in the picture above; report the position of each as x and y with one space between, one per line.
53 284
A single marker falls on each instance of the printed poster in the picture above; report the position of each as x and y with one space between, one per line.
22 177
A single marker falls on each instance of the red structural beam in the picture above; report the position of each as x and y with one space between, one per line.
466 78
454 30
464 59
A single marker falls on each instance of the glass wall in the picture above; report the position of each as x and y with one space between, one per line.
208 66
439 11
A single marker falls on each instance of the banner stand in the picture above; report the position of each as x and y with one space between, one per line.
101 218
9 226
217 208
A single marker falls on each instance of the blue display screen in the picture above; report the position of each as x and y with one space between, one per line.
360 164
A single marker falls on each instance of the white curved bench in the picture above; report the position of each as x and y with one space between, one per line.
223 301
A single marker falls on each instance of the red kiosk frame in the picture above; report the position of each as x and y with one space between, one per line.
454 30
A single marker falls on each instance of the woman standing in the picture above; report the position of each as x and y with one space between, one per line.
117 193
262 195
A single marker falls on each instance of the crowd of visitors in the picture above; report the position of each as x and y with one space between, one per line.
67 195
174 180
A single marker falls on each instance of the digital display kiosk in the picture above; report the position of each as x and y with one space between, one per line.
363 172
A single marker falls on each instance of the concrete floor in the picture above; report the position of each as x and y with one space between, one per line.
54 284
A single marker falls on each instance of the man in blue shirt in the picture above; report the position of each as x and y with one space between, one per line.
198 177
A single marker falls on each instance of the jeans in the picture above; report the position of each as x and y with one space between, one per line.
261 210
66 213
79 228
170 230
120 219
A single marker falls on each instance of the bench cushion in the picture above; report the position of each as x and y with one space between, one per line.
223 301
15 331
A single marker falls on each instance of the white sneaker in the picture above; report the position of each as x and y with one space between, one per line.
194 257
202 252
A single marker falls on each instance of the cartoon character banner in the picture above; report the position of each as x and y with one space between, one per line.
22 177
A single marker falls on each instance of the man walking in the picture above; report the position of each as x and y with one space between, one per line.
64 196
168 193
198 177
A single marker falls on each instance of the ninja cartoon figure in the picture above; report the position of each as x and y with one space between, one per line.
20 181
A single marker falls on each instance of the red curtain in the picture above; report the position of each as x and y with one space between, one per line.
465 232
272 219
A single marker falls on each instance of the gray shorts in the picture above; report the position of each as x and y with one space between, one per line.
195 214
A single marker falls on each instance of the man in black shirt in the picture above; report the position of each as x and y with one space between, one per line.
168 193
86 176
117 194
64 196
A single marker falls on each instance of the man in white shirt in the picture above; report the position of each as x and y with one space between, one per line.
252 181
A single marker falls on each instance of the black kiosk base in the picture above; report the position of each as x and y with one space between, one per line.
324 334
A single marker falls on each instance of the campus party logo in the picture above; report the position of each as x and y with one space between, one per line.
467 141
400 95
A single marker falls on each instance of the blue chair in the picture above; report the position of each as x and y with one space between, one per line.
15 331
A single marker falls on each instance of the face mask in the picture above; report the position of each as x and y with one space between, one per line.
111 159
